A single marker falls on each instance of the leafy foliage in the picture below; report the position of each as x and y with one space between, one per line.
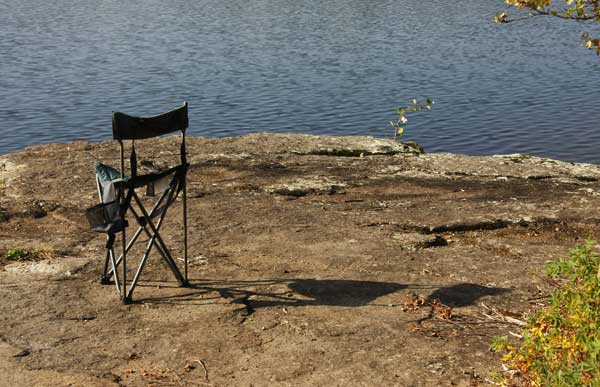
561 344
415 106
38 253
18 254
578 10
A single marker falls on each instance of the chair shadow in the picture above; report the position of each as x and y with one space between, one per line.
464 294
316 292
333 293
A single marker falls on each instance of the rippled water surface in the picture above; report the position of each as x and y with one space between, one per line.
307 66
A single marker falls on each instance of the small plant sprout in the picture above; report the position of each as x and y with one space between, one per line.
18 254
415 106
41 252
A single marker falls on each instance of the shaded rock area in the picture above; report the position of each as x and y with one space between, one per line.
419 240
314 261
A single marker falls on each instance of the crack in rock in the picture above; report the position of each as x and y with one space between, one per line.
303 187
374 147
468 225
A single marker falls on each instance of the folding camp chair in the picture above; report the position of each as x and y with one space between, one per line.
118 195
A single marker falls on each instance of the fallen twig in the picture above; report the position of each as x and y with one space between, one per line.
515 335
204 368
501 316
515 321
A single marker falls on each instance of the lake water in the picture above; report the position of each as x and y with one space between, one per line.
306 66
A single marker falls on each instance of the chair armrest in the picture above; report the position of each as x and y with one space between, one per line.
143 180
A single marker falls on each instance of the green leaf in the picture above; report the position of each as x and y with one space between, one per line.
569 12
399 131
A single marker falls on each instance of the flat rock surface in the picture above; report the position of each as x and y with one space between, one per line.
314 261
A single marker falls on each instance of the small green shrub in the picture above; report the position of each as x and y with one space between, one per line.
41 252
561 344
18 254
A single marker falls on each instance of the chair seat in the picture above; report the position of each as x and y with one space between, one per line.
144 180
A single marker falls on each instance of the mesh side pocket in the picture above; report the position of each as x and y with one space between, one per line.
102 216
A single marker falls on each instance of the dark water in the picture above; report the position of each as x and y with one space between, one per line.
307 66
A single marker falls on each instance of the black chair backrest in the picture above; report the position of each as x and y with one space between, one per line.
127 127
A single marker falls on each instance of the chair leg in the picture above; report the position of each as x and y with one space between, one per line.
185 235
167 255
146 222
136 277
125 298
105 278
155 236
114 269
171 262
140 229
